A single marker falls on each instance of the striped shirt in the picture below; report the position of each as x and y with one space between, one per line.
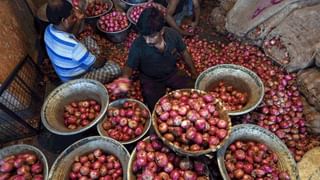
69 57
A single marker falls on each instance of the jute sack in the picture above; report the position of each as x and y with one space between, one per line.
247 15
295 41
312 117
227 5
217 19
308 82
309 166
258 33
317 59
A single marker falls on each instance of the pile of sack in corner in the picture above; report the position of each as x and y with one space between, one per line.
308 82
287 30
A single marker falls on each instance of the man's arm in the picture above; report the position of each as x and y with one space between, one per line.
188 59
127 72
171 8
196 5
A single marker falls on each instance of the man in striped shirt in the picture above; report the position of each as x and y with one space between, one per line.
69 57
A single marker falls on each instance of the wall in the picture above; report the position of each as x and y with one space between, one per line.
17 35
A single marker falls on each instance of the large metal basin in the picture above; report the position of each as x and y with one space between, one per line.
62 165
222 113
75 90
117 36
239 77
256 133
119 103
24 148
126 4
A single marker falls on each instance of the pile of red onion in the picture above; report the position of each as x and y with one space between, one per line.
207 53
96 165
155 161
252 160
281 95
126 122
130 38
21 166
96 8
113 22
232 99
137 10
189 29
190 120
275 42
81 113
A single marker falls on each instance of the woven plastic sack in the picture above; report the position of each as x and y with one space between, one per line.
295 41
227 5
308 82
246 15
258 34
217 19
309 166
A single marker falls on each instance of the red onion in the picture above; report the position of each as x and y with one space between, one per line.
84 170
190 175
161 159
6 167
37 168
238 173
185 164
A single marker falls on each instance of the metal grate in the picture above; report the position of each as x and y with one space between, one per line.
21 98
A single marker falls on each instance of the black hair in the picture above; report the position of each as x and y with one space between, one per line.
150 21
57 11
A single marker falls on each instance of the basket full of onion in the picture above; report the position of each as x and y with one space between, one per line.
75 107
191 122
127 121
240 89
97 8
114 25
134 12
93 157
151 159
252 152
23 161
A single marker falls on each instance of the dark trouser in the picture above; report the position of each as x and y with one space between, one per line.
153 90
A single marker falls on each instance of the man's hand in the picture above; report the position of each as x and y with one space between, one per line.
99 62
79 14
186 33
120 86
194 74
194 25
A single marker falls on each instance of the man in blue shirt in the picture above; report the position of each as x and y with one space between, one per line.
69 57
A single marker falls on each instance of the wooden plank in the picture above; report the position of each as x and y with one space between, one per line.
17 35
